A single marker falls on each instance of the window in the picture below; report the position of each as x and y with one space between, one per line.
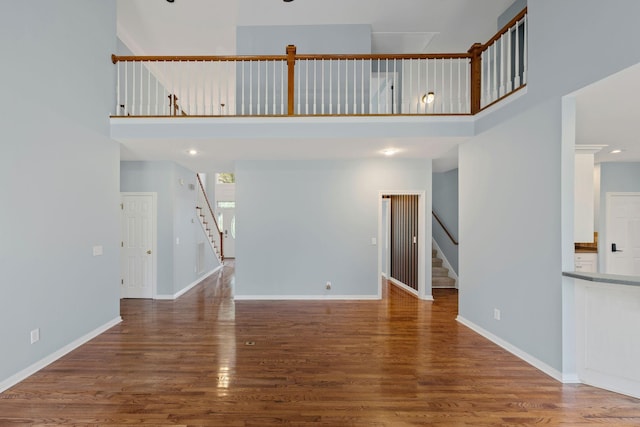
226 205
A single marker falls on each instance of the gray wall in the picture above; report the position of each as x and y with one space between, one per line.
515 214
176 210
445 205
303 223
614 177
59 177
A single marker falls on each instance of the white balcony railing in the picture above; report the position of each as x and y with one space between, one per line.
292 84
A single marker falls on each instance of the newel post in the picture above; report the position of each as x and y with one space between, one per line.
476 76
291 63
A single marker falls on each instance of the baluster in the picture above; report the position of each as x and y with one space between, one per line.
164 89
387 92
141 110
322 94
259 84
524 49
203 79
306 92
299 84
495 73
442 98
134 89
362 62
420 106
467 95
459 65
266 88
330 86
282 87
273 104
435 84
243 82
517 79
485 81
450 85
250 88
502 66
118 71
315 81
509 63
338 87
148 88
394 100
355 94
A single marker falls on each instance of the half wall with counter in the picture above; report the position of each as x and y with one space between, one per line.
604 328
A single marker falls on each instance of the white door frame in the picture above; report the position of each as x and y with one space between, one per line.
154 237
423 292
607 239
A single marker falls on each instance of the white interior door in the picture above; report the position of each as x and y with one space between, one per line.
137 256
622 250
227 221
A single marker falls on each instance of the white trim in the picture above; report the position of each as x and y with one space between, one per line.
409 289
188 287
445 262
30 370
306 297
536 363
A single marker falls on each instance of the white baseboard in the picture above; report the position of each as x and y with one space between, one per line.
409 289
536 363
188 287
306 297
30 370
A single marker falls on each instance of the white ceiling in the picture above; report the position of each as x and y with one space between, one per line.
608 114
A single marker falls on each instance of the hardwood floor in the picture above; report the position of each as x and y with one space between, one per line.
395 362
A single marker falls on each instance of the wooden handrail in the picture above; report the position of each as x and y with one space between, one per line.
454 241
118 58
215 221
121 58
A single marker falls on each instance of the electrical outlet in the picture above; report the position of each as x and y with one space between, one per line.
496 314
35 335
328 286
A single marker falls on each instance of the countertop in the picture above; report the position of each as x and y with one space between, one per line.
615 279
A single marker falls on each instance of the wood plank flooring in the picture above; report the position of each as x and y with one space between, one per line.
395 362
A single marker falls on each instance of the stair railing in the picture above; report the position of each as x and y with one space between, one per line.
453 240
209 221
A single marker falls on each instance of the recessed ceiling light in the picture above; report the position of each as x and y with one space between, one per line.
193 152
389 151
616 151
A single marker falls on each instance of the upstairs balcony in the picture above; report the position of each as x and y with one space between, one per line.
292 84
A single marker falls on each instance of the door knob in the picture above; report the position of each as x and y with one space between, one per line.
149 252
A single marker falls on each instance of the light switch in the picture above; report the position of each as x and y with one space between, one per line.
374 241
97 250
177 240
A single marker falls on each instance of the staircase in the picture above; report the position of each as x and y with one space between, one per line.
439 274
208 222
209 233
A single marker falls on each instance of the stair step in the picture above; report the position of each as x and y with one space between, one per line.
443 282
436 262
439 271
